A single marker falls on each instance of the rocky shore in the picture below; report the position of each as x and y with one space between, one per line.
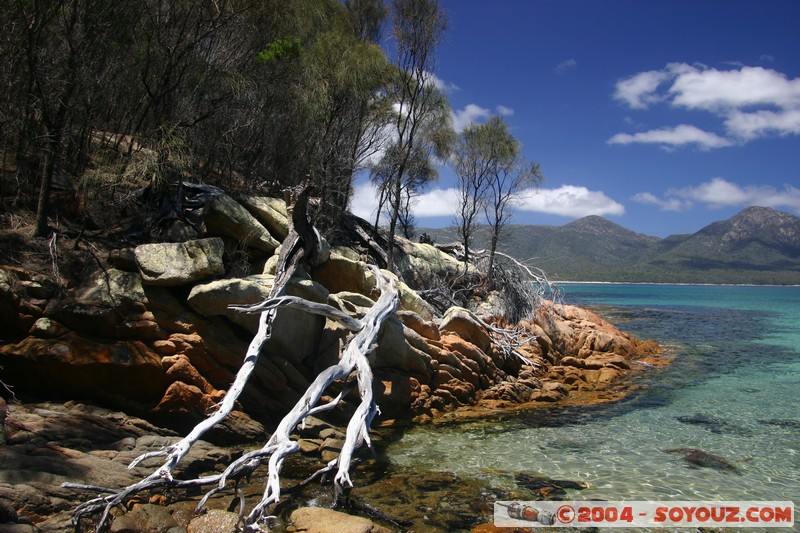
143 345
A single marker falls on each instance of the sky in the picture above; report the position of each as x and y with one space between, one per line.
661 115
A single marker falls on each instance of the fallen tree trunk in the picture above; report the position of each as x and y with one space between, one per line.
302 243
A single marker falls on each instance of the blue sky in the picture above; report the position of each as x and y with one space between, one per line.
662 116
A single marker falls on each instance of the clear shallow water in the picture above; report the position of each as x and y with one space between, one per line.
733 390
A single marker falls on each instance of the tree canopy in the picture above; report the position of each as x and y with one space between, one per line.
108 106
492 172
249 94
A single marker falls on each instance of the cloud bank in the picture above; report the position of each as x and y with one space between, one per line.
568 201
673 137
718 193
437 202
751 102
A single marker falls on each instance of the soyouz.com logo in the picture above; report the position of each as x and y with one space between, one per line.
643 514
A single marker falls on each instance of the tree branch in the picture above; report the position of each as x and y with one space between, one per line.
313 308
280 445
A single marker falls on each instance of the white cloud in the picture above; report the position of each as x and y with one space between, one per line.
569 201
748 126
666 204
473 113
444 86
671 137
718 193
434 203
752 102
468 116
504 111
566 65
365 200
639 91
719 90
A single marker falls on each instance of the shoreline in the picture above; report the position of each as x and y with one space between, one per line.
622 389
570 377
679 284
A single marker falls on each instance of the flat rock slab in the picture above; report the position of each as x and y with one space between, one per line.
183 263
321 520
50 443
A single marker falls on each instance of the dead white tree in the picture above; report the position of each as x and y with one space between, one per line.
541 285
301 244
521 287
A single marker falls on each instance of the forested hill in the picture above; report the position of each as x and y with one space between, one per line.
758 245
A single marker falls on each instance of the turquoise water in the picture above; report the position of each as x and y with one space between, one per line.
733 390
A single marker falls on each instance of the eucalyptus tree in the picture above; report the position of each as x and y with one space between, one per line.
308 101
90 74
266 93
420 172
509 175
53 42
473 158
420 127
345 104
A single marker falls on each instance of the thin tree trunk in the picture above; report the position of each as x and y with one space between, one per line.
43 204
492 250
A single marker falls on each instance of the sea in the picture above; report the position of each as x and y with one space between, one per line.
733 390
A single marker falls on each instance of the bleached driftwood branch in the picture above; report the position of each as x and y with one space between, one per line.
527 286
313 308
543 283
302 242
508 339
536 275
354 357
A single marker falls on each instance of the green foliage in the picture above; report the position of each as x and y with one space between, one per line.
280 50
366 18
420 122
492 173
127 93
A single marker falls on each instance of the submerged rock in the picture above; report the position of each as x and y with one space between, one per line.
545 487
786 423
433 502
322 520
713 424
703 459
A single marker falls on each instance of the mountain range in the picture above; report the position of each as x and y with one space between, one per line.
759 245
